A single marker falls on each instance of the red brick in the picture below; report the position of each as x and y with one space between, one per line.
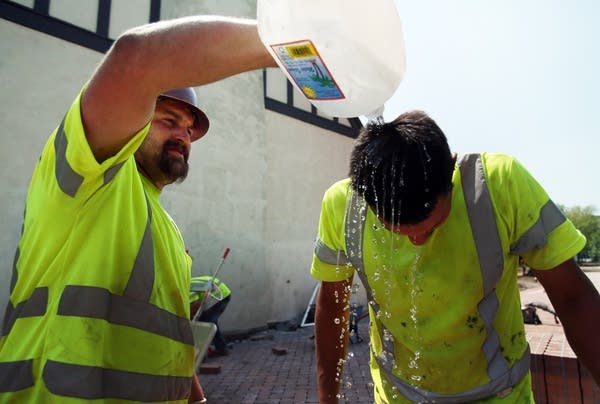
206 369
538 342
279 350
558 346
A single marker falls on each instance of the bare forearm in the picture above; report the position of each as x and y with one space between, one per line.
581 325
331 338
577 303
194 50
145 61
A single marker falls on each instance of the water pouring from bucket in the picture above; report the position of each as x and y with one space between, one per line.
346 56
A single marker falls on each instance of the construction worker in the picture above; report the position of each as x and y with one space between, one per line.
98 304
211 296
435 238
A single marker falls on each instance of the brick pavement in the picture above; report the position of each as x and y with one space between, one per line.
257 372
254 373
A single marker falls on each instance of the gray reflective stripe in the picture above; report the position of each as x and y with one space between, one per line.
15 376
141 279
416 394
34 306
329 256
94 302
14 277
483 221
489 251
132 309
15 274
90 382
8 312
490 254
201 285
112 171
356 215
537 236
68 180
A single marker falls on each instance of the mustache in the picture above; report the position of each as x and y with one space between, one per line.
180 147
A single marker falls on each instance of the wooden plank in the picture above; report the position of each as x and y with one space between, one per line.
589 389
537 344
562 379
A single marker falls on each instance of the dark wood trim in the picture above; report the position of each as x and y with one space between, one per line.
27 17
103 19
285 109
154 10
42 7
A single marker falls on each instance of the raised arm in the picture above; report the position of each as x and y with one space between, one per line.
577 304
145 61
331 337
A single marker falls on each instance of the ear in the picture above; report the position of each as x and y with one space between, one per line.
454 157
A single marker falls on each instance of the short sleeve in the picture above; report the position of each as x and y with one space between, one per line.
79 155
329 260
539 231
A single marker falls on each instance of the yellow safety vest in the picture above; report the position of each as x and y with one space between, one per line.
99 298
202 284
446 320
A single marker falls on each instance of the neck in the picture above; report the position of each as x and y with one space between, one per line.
146 174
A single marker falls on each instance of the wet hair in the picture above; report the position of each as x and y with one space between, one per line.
402 167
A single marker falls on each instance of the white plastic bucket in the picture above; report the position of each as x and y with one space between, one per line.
346 56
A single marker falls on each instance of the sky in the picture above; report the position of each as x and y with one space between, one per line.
518 77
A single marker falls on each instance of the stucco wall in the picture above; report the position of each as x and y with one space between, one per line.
39 77
255 183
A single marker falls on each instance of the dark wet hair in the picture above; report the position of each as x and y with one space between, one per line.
402 167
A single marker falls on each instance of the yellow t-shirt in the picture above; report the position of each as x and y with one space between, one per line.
85 229
428 294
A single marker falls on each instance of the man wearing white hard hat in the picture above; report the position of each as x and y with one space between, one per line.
98 306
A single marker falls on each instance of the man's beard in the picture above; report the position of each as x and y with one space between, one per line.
174 168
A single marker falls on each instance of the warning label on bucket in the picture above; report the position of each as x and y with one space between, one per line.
305 66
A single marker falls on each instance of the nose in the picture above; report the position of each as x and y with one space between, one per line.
184 135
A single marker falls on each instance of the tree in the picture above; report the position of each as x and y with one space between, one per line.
589 224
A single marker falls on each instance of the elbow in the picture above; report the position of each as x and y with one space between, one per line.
128 53
128 44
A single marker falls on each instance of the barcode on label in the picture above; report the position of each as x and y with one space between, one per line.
301 51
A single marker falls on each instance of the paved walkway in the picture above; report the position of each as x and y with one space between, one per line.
257 370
